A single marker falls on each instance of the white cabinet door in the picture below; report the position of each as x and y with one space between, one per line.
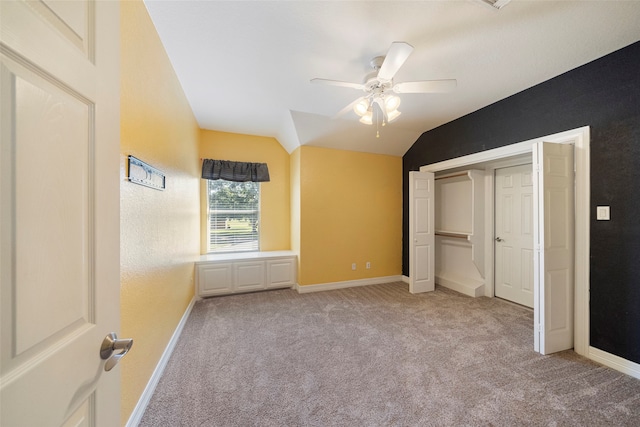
280 273
249 276
421 232
554 263
214 279
223 277
59 211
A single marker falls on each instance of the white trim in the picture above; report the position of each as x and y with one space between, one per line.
141 406
346 284
405 279
244 256
581 138
481 157
616 362
501 153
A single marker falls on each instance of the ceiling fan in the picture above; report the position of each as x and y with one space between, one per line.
379 86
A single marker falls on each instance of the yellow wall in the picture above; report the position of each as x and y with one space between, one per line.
275 222
159 229
332 207
350 211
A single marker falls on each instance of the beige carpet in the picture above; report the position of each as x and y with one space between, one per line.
378 356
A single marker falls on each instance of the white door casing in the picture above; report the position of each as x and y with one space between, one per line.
514 234
421 232
554 200
59 215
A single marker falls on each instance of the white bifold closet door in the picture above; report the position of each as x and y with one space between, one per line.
421 232
554 218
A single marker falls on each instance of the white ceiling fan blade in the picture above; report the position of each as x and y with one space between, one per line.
426 86
396 56
338 83
347 108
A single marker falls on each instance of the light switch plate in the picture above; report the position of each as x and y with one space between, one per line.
602 213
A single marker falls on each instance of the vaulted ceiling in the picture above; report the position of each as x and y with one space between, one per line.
246 66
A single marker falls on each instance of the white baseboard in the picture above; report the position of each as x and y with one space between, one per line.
346 284
406 279
141 406
616 362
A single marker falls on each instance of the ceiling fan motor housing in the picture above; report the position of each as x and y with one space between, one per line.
376 63
375 86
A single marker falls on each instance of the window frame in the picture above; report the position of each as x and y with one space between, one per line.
255 247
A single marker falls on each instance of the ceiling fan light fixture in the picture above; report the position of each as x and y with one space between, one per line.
392 115
391 103
361 107
367 118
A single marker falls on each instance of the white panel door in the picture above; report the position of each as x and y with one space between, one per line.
421 232
514 234
59 211
554 243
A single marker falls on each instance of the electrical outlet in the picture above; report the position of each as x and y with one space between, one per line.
368 265
353 266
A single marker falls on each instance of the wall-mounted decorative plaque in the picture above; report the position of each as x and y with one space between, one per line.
145 174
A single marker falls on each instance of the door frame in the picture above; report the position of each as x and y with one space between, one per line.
580 137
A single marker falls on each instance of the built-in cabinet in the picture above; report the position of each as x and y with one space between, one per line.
459 230
245 272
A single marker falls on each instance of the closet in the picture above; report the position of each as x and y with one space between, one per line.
560 179
459 231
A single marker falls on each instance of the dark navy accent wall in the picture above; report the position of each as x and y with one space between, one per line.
605 95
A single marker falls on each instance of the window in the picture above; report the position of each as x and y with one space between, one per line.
234 215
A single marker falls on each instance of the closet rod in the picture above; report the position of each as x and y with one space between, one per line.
456 236
451 176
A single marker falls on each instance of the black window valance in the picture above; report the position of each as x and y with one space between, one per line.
235 171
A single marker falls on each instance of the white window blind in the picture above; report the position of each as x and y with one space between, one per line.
234 215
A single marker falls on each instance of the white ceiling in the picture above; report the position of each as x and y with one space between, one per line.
245 66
